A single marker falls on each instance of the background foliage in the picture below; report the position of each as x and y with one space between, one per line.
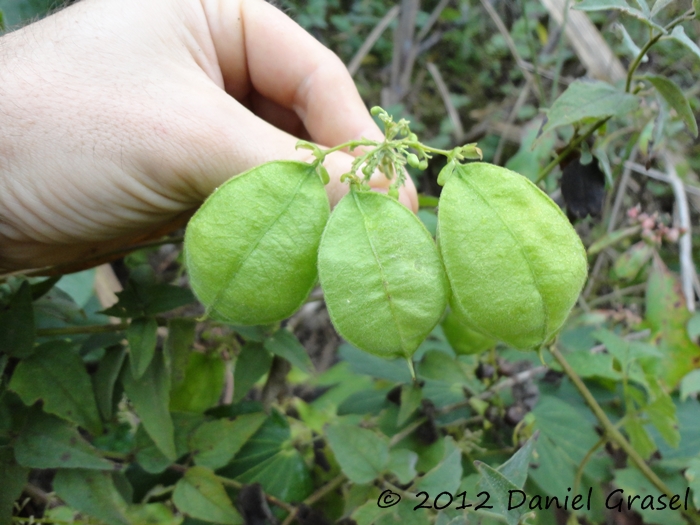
140 413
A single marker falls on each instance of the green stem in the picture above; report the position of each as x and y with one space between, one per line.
638 60
76 330
611 431
570 148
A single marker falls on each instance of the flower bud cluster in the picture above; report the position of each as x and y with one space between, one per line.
654 231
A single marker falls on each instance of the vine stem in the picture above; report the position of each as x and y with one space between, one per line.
317 496
611 430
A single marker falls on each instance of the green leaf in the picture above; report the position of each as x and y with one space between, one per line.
284 476
678 34
80 286
500 490
634 483
56 375
690 384
93 493
49 442
215 443
676 99
149 394
13 477
639 438
395 370
692 474
658 6
515 469
376 256
402 463
618 5
667 316
628 265
105 379
446 475
17 324
411 396
201 495
361 453
662 414
202 386
439 366
589 100
694 326
137 300
285 344
148 455
142 336
252 363
178 346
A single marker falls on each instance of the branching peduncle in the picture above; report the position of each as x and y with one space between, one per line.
390 156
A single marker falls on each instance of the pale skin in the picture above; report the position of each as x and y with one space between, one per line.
119 117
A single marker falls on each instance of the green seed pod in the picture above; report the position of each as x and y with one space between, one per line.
383 281
251 248
463 339
515 264
412 160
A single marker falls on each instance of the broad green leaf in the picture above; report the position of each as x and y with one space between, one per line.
269 440
366 401
13 477
284 475
49 442
692 474
105 379
178 346
361 453
56 375
411 396
588 365
694 326
662 414
515 469
446 475
138 300
667 316
153 514
463 339
17 324
142 336
254 263
619 5
202 386
639 438
690 384
402 463
589 100
185 424
285 344
395 370
80 286
658 6
502 493
441 367
215 443
678 34
676 99
376 256
628 265
149 395
252 363
634 483
201 495
93 493
148 455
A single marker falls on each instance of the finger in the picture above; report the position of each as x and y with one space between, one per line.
288 66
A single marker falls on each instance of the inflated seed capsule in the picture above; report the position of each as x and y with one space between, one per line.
515 264
381 274
251 248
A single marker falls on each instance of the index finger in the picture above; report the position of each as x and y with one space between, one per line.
287 65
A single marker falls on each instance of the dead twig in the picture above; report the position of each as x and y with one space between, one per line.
371 39
621 189
452 113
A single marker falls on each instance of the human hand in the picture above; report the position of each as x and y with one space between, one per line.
120 117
